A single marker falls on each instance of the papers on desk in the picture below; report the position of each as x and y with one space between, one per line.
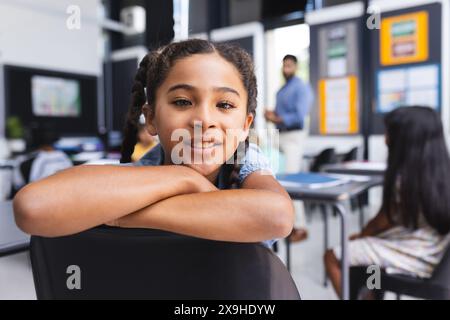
359 165
103 162
317 181
7 163
88 156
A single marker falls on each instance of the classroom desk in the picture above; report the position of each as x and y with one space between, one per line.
357 168
334 197
12 238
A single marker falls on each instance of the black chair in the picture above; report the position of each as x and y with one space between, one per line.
352 155
150 264
326 156
25 168
435 288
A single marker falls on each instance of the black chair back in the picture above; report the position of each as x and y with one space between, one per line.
352 155
149 264
326 156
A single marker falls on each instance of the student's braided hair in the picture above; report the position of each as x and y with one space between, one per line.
153 71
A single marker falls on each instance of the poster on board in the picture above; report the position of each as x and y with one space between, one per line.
414 85
338 112
404 39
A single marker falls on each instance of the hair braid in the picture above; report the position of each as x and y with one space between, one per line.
134 111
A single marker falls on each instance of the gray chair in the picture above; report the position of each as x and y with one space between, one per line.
150 264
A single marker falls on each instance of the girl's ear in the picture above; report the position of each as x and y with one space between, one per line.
247 125
149 120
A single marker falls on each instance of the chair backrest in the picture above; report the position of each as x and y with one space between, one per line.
149 264
435 288
352 155
441 274
327 156
25 168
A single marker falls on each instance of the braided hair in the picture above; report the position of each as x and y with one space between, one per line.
152 72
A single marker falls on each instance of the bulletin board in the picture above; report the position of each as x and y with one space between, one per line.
406 61
335 75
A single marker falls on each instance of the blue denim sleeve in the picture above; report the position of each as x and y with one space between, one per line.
254 160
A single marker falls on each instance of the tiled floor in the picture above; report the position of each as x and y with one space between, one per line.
16 281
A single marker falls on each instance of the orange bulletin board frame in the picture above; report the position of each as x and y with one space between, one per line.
350 109
415 40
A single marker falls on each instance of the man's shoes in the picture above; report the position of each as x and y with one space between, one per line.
298 235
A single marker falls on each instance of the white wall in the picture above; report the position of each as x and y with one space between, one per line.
34 33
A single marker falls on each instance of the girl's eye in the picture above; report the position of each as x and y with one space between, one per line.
182 103
225 105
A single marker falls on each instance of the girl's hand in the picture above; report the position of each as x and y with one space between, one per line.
356 236
133 220
199 182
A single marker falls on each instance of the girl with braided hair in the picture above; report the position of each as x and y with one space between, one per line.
203 90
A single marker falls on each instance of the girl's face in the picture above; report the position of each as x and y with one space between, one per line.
201 100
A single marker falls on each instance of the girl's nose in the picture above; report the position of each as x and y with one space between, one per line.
203 118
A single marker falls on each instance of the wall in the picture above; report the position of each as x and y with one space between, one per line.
242 11
34 33
198 16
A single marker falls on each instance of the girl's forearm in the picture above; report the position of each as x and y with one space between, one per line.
243 215
377 225
83 197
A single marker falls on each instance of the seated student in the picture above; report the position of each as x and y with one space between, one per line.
411 231
42 161
199 91
145 143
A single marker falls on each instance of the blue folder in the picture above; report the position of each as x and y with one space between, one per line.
309 180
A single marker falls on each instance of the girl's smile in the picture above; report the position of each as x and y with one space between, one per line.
201 151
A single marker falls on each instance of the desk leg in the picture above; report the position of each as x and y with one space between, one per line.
323 208
361 211
340 208
288 254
